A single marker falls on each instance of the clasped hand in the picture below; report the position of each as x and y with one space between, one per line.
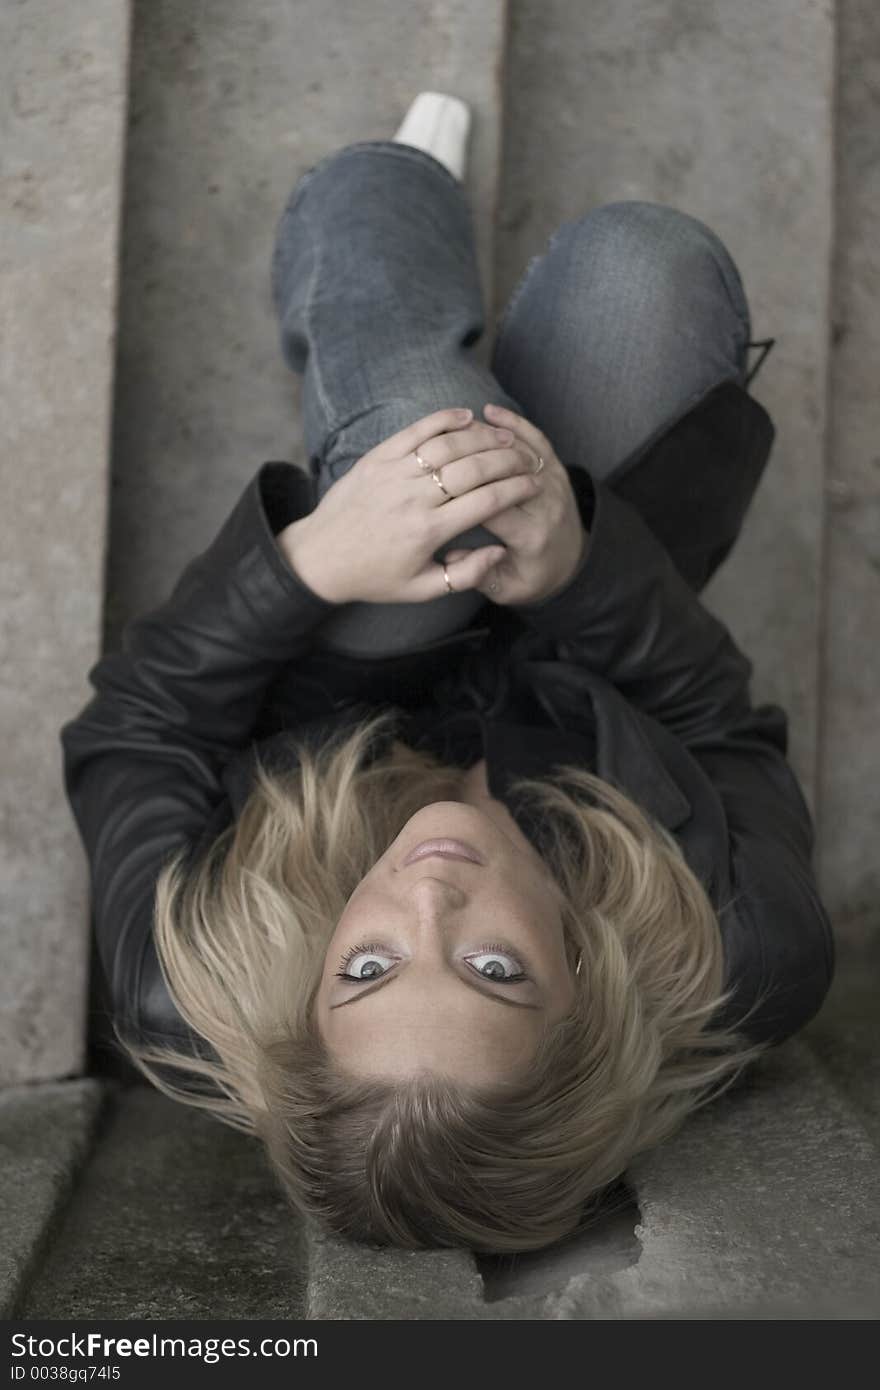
377 534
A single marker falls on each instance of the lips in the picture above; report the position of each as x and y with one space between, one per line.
446 849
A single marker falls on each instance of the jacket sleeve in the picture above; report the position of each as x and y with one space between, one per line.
629 615
143 760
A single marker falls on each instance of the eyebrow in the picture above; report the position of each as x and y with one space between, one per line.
471 984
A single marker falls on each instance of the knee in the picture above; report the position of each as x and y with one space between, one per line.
652 237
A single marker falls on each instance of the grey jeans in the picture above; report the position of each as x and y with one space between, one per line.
630 314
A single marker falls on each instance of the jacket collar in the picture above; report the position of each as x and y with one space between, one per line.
586 722
541 710
576 699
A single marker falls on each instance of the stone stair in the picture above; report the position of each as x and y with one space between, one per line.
144 367
118 1203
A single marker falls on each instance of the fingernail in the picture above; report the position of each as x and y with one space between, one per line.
504 436
463 414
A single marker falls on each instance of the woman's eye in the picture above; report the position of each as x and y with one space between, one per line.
365 964
496 965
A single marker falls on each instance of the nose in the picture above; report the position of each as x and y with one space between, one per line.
434 897
434 902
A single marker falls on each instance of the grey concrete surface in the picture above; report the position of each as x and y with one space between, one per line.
725 111
850 752
845 1035
771 1195
46 1132
62 97
352 1281
224 118
766 1203
608 1244
176 1216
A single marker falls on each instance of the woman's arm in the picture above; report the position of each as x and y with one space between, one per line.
628 615
143 759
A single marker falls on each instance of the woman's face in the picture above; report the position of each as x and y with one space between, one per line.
453 967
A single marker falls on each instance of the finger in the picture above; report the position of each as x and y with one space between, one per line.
420 431
444 449
472 508
471 569
475 469
522 428
476 568
513 526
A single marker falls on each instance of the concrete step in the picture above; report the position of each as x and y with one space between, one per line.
845 1035
849 802
63 75
46 1134
175 1216
765 1204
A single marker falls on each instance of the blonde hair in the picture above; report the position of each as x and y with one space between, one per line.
241 939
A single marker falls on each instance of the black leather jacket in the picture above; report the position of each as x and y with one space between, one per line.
624 671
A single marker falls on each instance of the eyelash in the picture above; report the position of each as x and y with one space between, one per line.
487 949
350 954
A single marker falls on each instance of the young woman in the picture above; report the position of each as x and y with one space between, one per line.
434 837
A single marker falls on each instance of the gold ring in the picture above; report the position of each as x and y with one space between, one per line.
436 476
422 463
449 588
540 464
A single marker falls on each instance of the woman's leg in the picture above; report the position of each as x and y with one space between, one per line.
633 313
376 285
630 315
